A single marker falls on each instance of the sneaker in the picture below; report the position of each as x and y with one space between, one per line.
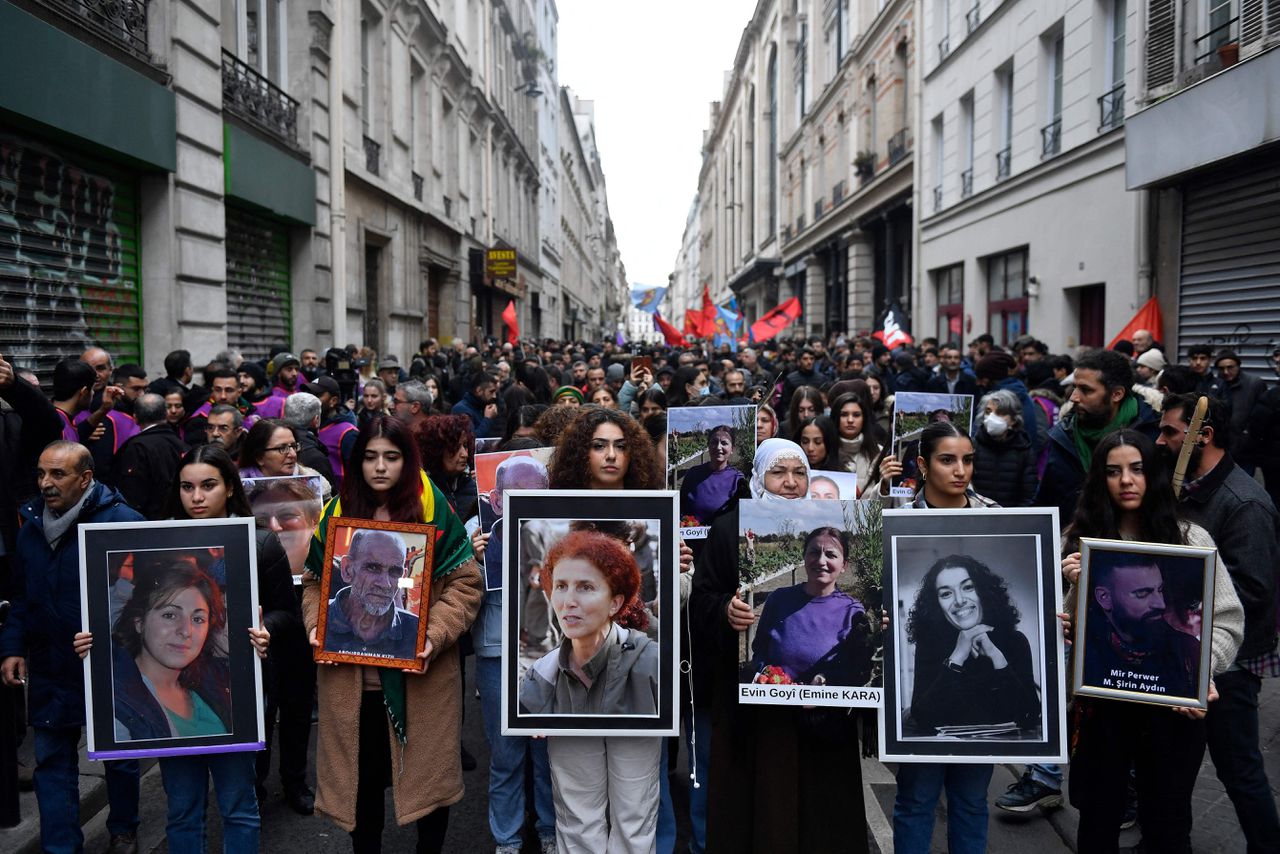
548 845
123 843
1027 794
1130 814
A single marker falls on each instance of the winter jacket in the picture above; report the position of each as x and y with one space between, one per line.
965 384
1032 415
25 429
625 676
1243 395
46 608
1063 471
145 468
313 455
1004 470
1264 428
471 407
1238 514
139 715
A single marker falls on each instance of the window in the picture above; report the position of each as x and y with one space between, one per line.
872 97
1007 303
942 23
1115 43
939 159
415 114
1055 79
1004 151
966 128
255 31
842 30
773 141
948 283
1220 20
366 95
1051 133
801 69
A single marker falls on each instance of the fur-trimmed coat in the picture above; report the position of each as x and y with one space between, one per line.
426 771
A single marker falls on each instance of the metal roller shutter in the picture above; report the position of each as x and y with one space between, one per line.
1230 285
258 295
69 275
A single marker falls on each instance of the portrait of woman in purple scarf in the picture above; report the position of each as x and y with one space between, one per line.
711 488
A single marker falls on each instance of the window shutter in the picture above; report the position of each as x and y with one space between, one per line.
1162 42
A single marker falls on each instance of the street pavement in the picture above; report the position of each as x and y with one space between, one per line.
1216 830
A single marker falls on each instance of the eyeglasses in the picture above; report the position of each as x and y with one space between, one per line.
223 429
286 448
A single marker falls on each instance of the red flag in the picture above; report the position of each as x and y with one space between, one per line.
669 332
513 324
692 323
709 314
776 321
1148 318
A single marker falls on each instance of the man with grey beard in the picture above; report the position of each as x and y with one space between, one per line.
363 617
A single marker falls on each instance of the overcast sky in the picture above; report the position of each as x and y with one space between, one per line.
652 69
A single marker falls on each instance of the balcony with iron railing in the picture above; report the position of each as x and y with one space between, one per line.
837 193
1111 108
818 209
944 48
372 155
1003 162
972 18
786 233
1051 138
799 224
448 207
1220 36
417 186
898 147
122 23
966 183
937 198
248 95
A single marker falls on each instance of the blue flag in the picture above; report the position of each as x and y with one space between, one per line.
726 327
647 299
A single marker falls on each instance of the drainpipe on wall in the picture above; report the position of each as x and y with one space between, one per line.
337 184
1145 289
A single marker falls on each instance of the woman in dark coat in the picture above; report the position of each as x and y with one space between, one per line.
1004 466
775 771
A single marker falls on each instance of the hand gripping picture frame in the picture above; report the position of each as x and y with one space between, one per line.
974 660
172 671
591 574
376 590
1142 612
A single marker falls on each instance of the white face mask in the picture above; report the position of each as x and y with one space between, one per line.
996 426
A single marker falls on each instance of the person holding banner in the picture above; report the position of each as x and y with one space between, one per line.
365 710
767 774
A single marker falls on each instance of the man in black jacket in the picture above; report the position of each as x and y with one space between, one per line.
951 378
1241 391
146 465
1238 514
804 374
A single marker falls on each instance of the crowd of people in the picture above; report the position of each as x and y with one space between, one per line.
1094 435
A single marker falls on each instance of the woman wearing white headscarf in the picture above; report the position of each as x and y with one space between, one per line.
774 771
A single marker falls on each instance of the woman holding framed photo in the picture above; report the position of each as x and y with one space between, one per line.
1127 495
364 710
167 699
769 774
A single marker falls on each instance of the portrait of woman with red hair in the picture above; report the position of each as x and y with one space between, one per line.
606 664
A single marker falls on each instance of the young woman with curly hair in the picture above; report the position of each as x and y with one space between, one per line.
446 444
605 449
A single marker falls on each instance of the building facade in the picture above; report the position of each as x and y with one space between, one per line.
1024 224
806 182
1204 148
172 176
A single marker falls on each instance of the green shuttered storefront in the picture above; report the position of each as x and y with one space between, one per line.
69 271
258 294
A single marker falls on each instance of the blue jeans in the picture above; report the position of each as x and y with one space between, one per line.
666 835
57 785
506 765
1046 775
1232 725
919 785
698 733
186 785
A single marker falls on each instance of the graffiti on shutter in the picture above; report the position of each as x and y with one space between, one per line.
258 297
69 275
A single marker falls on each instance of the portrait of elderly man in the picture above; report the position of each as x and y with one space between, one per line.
1134 627
364 617
519 472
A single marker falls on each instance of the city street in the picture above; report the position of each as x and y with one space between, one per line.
284 832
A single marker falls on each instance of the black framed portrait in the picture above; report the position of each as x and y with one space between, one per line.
172 670
591 588
974 668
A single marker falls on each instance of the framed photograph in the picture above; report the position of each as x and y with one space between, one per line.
833 485
291 507
709 455
912 412
812 574
974 659
377 583
495 473
1142 610
172 671
592 578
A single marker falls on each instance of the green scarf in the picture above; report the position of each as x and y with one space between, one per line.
1087 438
452 549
